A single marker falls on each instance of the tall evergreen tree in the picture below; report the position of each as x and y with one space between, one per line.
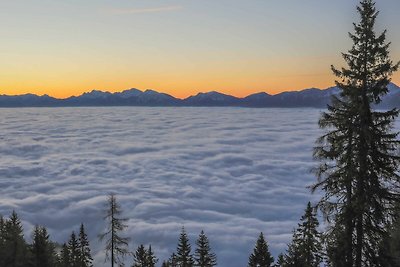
73 249
144 257
293 256
15 245
64 259
306 247
140 257
42 249
85 257
203 256
151 257
358 154
261 257
184 257
116 245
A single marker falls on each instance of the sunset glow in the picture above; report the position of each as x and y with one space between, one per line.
178 47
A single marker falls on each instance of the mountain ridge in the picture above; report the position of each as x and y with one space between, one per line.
311 97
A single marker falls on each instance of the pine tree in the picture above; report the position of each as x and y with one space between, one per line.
42 249
183 251
140 257
64 256
293 256
116 245
172 261
144 257
151 258
203 255
85 257
15 245
261 257
306 247
281 262
73 249
359 164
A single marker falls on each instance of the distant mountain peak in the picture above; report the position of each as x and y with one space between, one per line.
133 92
311 97
95 94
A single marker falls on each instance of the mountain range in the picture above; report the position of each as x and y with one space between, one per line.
312 97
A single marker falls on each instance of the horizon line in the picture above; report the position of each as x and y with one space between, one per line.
150 89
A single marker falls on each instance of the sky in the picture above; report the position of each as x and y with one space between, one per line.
180 47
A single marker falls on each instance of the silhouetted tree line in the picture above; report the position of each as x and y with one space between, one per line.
41 252
308 248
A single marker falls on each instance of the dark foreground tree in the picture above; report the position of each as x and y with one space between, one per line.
171 262
306 247
116 245
390 247
183 256
359 153
280 262
151 257
203 255
140 257
261 257
14 246
64 258
42 249
85 257
144 257
73 250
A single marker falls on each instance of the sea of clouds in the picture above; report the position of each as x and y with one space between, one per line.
232 172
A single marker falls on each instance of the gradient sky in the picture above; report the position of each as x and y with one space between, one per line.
180 47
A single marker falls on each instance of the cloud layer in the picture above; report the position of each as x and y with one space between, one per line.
233 172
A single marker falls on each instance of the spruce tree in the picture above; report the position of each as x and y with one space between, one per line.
261 257
85 257
306 247
293 255
73 249
144 257
203 256
358 154
42 249
64 259
172 261
140 257
151 257
14 242
281 262
116 245
183 257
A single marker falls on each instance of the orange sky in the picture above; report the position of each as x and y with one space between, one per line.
238 82
64 48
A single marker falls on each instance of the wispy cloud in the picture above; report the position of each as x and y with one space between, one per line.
118 11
